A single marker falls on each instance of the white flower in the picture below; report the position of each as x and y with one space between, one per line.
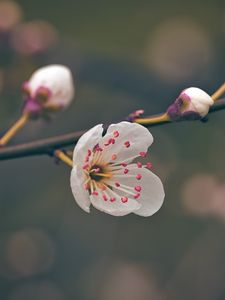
192 103
105 175
49 88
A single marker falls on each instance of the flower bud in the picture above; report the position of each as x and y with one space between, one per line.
192 104
49 89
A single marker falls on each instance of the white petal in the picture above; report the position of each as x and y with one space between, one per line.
87 141
81 196
116 208
138 136
152 193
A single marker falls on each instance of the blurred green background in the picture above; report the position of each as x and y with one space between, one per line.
124 55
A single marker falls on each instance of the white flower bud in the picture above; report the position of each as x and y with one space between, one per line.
199 99
49 89
193 103
58 80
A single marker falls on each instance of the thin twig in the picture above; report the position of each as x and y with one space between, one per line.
49 145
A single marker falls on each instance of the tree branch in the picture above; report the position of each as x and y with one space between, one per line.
49 145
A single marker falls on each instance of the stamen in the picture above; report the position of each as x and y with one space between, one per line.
137 188
139 176
110 141
117 184
122 187
139 164
95 170
122 176
97 158
123 165
105 198
128 160
149 165
125 171
114 157
100 186
142 154
108 175
116 134
137 196
127 144
85 167
112 199
97 148
124 199
95 193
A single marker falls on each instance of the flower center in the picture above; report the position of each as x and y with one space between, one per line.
110 178
98 173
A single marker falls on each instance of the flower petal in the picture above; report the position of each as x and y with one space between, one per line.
152 192
130 140
113 204
87 141
81 196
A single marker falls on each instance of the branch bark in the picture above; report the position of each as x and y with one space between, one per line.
49 145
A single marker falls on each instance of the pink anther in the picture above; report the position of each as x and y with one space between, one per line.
116 134
95 193
123 165
137 196
139 176
104 197
139 164
124 199
137 188
127 144
149 165
114 157
142 154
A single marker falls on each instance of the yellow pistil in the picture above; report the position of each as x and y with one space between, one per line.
63 157
218 93
153 120
14 129
107 175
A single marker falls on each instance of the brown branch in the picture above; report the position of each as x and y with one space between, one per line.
49 145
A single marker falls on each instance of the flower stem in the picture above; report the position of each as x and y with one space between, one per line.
218 92
63 157
163 118
14 129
